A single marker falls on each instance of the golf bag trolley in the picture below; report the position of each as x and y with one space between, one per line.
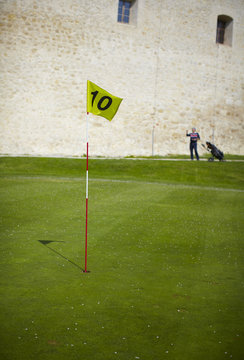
216 153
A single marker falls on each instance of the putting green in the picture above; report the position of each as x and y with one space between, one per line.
165 254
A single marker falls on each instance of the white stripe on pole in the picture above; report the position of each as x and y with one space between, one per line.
87 125
86 184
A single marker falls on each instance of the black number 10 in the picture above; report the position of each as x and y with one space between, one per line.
100 102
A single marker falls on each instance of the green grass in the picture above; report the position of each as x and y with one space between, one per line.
204 156
190 173
165 254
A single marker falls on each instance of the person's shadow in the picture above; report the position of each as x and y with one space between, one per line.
46 244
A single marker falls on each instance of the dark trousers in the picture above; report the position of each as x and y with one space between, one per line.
193 145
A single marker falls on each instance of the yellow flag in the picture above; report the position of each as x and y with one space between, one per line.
100 102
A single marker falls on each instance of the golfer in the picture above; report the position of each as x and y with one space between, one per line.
194 136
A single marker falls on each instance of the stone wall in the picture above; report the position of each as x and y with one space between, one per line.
166 65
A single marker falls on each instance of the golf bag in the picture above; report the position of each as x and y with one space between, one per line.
215 152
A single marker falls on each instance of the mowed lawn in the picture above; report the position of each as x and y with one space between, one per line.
165 260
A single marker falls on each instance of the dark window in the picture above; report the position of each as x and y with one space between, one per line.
220 32
224 30
124 11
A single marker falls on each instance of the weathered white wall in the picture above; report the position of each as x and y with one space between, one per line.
166 65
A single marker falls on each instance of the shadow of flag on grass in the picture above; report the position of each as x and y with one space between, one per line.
48 242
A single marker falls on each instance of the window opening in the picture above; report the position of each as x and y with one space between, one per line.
224 30
124 11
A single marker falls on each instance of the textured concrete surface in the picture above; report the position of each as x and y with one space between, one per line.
165 64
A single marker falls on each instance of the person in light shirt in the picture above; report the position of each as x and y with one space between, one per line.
194 136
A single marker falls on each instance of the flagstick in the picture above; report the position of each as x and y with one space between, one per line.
87 124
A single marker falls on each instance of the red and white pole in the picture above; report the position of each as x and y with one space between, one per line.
87 124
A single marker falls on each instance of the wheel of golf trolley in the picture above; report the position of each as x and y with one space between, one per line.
211 159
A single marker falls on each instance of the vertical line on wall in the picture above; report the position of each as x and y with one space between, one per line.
232 97
156 78
215 94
